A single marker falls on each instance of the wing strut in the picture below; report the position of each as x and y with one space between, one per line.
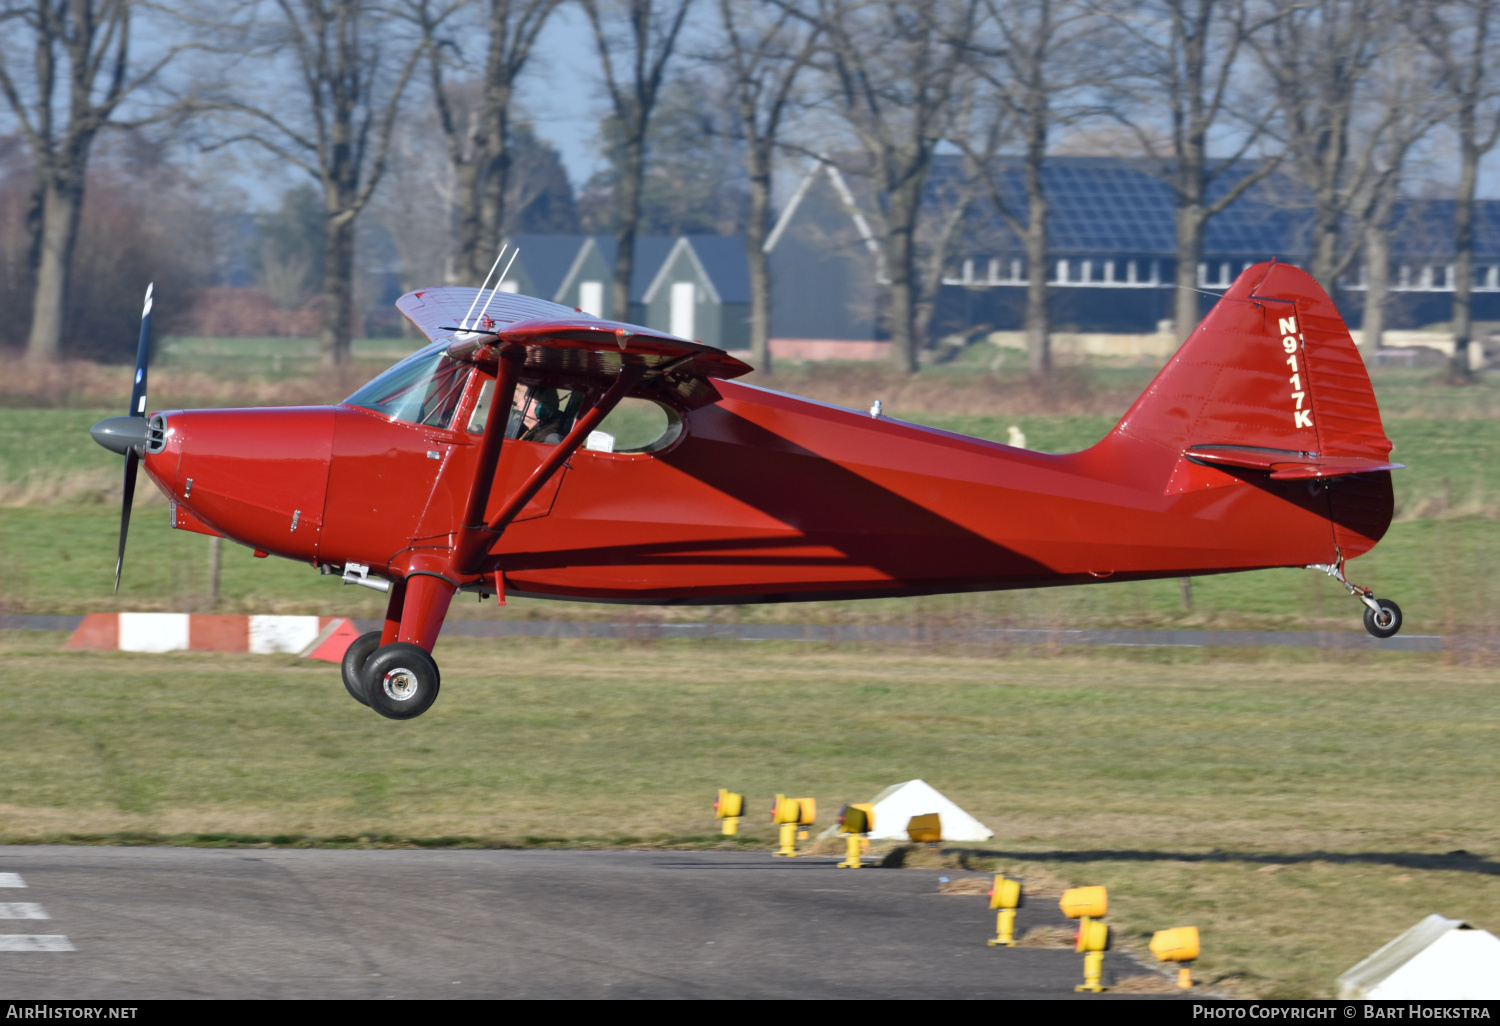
473 541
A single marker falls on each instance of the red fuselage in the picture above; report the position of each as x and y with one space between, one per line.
761 497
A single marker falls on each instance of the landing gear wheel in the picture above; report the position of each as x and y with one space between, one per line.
400 681
1387 622
353 664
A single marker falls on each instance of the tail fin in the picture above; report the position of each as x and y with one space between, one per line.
1271 384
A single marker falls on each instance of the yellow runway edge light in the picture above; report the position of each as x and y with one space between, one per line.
1178 945
1005 897
1086 904
730 807
792 814
855 821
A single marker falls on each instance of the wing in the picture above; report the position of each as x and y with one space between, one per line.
567 344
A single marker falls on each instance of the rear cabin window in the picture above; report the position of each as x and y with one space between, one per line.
423 389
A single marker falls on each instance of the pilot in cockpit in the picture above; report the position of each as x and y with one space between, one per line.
544 418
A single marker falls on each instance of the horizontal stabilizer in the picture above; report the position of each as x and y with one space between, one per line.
1285 465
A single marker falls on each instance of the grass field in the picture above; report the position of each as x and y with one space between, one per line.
1297 809
1300 807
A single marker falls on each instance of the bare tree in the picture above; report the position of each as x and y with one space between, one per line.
895 68
765 50
1032 59
333 119
77 57
479 138
1320 55
1174 87
651 29
1457 34
1406 90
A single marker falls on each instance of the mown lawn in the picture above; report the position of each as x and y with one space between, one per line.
1298 808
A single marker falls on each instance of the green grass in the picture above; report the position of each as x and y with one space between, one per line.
1175 780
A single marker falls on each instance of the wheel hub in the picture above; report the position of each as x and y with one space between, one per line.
400 684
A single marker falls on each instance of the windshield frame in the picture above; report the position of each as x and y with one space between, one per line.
403 382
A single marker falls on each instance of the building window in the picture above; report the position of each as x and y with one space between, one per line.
968 272
1130 272
993 274
1015 270
591 297
684 298
1062 272
1202 275
1109 272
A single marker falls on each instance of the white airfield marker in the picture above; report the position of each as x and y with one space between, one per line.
35 942
11 880
22 910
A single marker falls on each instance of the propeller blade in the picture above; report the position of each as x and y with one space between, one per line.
132 461
142 354
117 436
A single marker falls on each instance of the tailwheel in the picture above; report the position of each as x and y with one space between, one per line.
1382 618
353 665
400 681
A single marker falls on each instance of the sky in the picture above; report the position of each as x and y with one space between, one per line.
562 93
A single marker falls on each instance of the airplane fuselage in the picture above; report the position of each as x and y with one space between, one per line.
761 497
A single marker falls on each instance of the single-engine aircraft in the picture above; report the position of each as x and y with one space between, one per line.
477 464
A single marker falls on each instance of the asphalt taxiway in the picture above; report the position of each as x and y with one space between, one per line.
141 923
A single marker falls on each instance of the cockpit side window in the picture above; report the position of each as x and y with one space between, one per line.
425 388
537 414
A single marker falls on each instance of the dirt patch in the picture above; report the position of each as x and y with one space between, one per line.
1150 983
1055 937
968 885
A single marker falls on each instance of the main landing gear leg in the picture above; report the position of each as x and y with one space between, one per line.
1382 616
400 678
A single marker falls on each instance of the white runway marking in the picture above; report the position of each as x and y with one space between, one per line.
22 910
11 880
35 942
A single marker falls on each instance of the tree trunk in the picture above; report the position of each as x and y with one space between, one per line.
1038 316
760 272
1186 304
1378 285
338 290
468 266
901 269
61 202
1463 259
633 168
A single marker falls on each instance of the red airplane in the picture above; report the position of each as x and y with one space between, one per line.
477 464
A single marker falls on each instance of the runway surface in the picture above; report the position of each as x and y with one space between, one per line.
140 923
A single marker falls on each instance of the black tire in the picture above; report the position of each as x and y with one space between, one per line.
401 681
1388 623
353 665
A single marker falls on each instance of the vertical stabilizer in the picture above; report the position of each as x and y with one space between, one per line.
1270 385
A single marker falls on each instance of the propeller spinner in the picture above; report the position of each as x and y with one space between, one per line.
128 434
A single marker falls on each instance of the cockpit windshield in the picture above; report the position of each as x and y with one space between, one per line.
424 388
